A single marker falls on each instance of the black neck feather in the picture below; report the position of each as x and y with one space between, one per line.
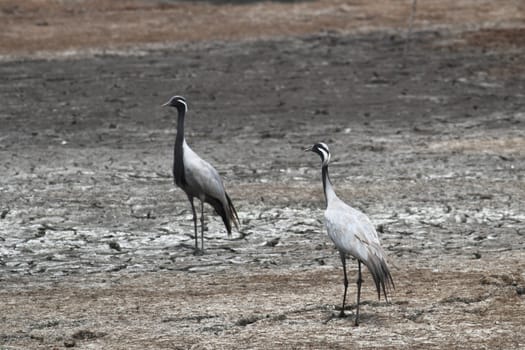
178 164
326 179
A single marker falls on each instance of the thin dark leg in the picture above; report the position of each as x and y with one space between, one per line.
194 221
202 226
359 281
343 260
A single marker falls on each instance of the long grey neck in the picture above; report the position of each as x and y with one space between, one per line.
178 156
329 192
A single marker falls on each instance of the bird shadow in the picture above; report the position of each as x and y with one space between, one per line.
198 252
349 315
364 318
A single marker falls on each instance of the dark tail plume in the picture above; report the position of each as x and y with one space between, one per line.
233 213
228 214
381 275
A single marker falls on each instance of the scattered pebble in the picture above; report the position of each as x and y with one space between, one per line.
115 245
460 218
247 320
273 242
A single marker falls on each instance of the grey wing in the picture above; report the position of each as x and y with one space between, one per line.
351 231
202 178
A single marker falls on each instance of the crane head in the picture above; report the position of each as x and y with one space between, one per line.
322 150
178 102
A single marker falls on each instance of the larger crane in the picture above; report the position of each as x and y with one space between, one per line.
197 178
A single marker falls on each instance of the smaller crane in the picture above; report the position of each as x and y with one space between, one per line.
353 234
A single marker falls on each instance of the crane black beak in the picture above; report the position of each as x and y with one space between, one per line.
308 149
166 104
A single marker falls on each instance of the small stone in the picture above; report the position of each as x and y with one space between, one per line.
273 242
70 343
246 321
520 290
115 245
460 218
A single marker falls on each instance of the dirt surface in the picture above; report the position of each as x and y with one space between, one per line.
50 27
96 243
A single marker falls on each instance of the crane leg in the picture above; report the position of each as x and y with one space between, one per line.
343 260
359 282
194 221
202 226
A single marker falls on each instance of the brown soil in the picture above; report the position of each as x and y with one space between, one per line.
31 26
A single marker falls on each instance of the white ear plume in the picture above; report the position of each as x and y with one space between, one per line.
325 151
183 103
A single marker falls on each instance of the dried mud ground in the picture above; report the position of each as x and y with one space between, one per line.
96 243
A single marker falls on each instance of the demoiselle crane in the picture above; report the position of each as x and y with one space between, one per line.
353 234
198 178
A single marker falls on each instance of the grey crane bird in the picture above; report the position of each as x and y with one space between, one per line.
198 178
353 234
